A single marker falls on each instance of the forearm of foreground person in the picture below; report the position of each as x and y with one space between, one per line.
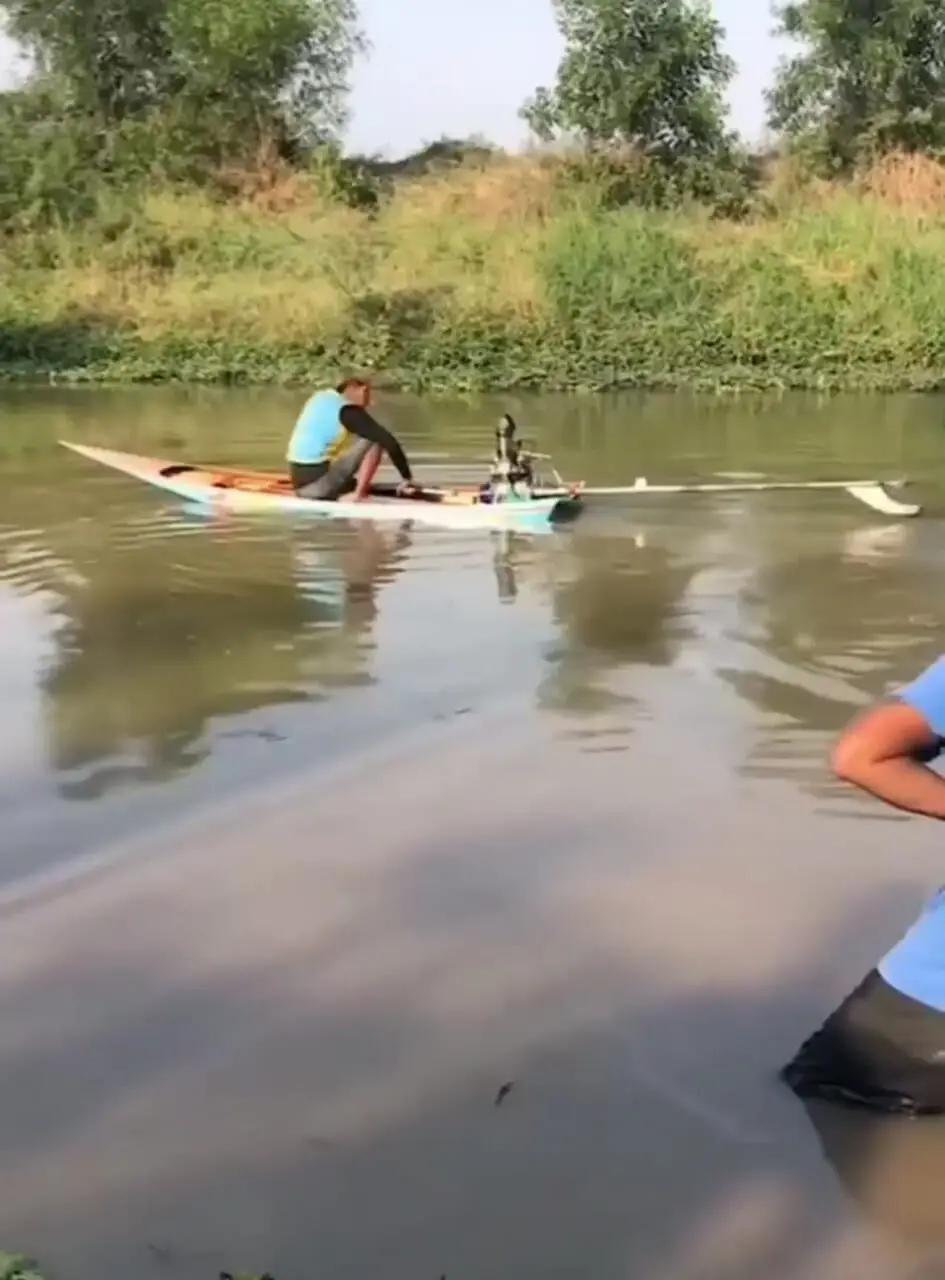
885 754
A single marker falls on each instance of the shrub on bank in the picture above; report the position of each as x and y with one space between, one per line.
494 272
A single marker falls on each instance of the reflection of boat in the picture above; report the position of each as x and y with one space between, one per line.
152 670
239 490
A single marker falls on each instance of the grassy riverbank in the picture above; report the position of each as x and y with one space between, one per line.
492 276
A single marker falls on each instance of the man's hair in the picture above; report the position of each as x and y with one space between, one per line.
353 381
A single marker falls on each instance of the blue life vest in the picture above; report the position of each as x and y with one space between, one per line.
319 435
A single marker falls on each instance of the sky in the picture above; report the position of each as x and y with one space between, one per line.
454 68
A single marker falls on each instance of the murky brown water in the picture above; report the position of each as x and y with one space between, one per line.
149 655
152 661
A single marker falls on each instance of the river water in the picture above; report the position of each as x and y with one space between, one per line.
665 664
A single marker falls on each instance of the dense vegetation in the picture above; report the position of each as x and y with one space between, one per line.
174 204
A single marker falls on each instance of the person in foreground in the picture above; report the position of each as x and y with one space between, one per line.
884 1047
337 446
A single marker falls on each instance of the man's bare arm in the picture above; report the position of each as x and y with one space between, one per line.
885 752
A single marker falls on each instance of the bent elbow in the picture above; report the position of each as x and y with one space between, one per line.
848 761
889 734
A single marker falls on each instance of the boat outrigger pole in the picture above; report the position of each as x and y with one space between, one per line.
513 475
873 493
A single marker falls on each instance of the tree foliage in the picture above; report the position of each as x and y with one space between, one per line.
268 58
256 69
870 77
48 162
649 73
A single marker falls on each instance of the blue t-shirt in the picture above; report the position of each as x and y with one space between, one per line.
916 965
319 435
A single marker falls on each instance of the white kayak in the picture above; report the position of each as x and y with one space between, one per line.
234 489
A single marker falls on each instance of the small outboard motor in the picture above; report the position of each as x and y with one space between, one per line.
512 472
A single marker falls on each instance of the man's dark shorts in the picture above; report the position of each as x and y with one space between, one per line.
328 481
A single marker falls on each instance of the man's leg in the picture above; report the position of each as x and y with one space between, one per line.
368 470
341 476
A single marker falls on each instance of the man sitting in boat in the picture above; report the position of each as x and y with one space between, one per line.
337 446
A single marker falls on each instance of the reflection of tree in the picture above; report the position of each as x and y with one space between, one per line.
832 631
149 651
865 621
618 606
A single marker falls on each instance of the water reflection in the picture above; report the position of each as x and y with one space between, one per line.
159 638
621 607
509 551
158 633
830 629
148 653
893 1169
618 606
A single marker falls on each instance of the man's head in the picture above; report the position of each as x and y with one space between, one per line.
356 391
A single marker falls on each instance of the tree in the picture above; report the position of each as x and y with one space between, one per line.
649 73
109 57
270 65
269 60
870 77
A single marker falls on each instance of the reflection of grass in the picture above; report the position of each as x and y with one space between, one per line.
15 1266
493 274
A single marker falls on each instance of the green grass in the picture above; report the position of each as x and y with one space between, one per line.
487 277
16 1266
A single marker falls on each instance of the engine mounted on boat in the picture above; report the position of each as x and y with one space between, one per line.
512 470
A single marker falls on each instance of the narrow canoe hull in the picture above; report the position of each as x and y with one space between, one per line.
231 489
